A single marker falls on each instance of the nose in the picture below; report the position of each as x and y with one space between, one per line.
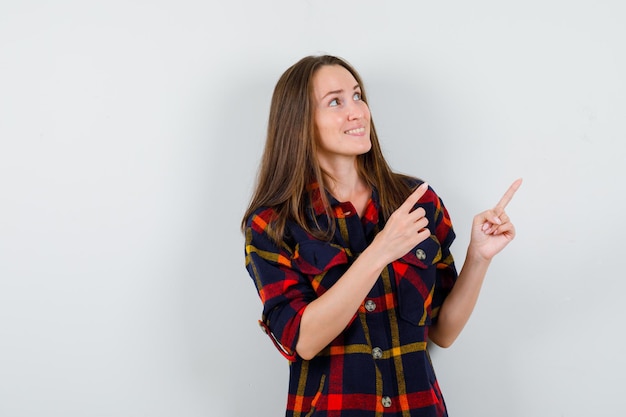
355 111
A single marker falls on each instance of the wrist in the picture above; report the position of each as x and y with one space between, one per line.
375 255
475 257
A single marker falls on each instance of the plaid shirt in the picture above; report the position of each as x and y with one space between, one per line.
379 365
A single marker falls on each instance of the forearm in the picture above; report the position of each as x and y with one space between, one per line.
492 230
327 316
459 304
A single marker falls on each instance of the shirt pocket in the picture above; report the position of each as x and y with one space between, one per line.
416 275
322 262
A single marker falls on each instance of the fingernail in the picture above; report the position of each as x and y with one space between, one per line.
485 226
497 220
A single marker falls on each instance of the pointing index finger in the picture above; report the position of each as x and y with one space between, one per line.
508 196
415 196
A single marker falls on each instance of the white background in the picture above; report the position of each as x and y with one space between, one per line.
130 136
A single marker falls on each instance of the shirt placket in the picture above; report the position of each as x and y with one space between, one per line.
357 235
375 306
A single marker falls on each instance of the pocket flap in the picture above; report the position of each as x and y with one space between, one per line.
425 254
314 257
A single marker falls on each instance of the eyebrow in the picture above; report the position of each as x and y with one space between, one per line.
338 91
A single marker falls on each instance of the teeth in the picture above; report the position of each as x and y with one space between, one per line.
353 131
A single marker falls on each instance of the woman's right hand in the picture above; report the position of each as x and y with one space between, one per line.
404 229
327 316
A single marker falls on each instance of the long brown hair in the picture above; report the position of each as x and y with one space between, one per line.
289 162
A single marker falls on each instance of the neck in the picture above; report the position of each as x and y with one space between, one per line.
346 185
341 178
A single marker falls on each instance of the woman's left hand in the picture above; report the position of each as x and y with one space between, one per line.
492 230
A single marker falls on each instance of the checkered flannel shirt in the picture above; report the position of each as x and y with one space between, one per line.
379 365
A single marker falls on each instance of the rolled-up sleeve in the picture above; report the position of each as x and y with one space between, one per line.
284 291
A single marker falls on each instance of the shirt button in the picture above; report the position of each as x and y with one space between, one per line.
386 401
370 305
377 353
420 254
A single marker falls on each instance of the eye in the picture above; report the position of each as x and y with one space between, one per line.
357 96
334 102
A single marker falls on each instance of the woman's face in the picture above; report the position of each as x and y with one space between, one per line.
341 117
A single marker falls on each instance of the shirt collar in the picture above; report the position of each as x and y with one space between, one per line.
317 203
316 198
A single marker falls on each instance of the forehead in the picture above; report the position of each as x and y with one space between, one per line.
332 78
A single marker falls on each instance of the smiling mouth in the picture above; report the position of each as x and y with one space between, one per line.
355 131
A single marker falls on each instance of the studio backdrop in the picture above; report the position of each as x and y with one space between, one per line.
130 135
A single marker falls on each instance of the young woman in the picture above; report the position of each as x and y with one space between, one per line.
352 261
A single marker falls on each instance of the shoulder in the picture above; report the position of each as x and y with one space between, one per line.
414 182
411 182
261 242
260 219
261 230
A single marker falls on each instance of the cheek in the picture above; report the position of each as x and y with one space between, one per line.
323 121
323 130
330 123
366 111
